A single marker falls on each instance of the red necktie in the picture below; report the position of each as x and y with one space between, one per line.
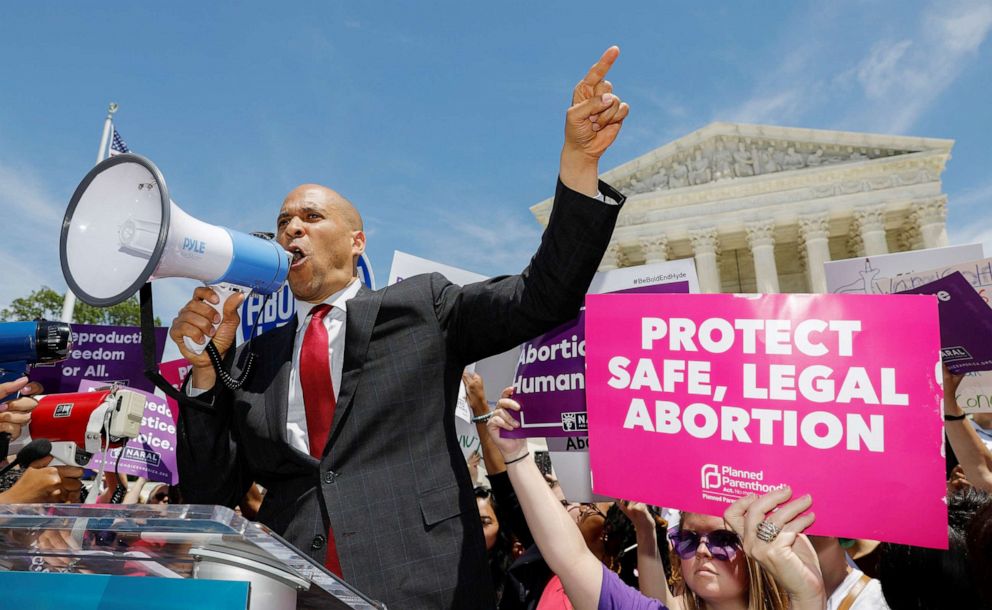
318 400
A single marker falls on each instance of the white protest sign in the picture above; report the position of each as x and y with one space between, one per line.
468 435
570 460
861 275
407 265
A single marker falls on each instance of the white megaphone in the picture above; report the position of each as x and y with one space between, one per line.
122 230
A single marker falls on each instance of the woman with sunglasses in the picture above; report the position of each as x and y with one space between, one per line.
709 567
772 540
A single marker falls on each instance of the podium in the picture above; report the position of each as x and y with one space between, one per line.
161 541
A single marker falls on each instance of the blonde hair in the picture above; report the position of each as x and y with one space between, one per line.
763 593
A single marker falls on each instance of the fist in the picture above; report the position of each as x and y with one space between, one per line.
196 320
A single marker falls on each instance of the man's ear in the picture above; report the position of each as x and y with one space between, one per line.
358 243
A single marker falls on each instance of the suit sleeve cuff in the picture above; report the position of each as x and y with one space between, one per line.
607 194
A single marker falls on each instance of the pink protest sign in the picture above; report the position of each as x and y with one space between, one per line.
174 371
696 400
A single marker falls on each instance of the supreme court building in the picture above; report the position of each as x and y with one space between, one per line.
761 208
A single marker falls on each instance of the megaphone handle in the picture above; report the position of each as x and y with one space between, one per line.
224 291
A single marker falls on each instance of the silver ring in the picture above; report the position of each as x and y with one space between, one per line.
768 531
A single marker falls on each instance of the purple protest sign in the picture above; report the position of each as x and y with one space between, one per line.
104 353
153 454
549 382
965 323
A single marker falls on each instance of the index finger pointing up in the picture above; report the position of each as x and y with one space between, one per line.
599 69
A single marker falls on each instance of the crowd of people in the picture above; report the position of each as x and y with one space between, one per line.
585 556
340 437
545 552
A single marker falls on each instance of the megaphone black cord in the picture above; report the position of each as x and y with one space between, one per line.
226 377
215 357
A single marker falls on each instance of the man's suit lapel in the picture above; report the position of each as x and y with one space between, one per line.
362 312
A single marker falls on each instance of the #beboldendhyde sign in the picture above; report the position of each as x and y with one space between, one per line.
549 382
697 400
104 353
153 454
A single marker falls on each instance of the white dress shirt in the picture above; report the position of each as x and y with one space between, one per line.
334 322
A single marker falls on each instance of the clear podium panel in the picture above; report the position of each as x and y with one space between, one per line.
167 541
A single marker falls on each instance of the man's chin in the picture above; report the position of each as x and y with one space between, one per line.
301 289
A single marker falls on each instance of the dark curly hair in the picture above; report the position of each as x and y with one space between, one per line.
915 578
501 555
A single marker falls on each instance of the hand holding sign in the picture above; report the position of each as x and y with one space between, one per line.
511 448
788 556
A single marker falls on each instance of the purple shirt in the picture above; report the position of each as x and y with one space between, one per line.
614 594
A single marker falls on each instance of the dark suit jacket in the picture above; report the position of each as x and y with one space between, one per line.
392 481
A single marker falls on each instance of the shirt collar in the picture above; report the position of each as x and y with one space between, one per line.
339 299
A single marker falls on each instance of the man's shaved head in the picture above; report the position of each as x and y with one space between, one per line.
335 200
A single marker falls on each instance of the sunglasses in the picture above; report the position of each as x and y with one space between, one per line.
722 544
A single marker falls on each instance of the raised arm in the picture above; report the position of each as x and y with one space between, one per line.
490 317
475 395
972 454
651 579
554 531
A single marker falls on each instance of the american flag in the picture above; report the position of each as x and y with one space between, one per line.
118 146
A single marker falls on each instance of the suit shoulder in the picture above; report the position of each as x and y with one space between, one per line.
424 283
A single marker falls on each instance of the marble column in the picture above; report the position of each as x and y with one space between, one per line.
761 239
929 217
614 258
655 249
870 223
705 248
814 230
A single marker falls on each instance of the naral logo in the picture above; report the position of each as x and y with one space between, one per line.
710 474
142 455
955 353
574 421
63 409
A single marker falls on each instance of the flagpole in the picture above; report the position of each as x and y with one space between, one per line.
69 304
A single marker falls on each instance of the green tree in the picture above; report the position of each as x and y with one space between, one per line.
47 303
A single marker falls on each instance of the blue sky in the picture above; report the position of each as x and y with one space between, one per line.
442 121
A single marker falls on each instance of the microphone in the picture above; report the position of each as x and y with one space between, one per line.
35 450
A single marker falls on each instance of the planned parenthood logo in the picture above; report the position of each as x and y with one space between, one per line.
725 483
711 476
